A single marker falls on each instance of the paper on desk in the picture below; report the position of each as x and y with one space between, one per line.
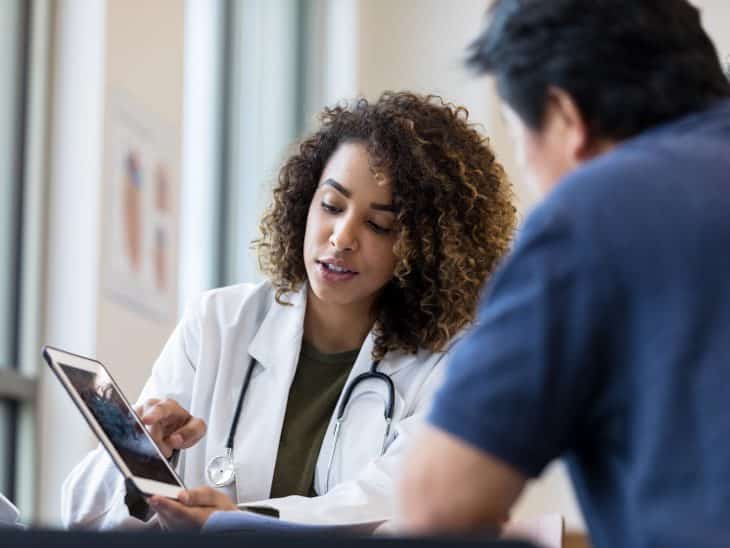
248 522
9 514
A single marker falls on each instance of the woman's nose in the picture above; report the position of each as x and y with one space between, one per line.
344 236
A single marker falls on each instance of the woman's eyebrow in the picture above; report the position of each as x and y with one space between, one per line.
338 187
347 194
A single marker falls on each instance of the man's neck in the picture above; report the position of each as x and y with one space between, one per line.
332 328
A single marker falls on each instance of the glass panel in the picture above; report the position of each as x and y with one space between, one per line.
12 17
263 114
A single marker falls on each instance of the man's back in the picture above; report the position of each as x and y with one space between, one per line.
655 447
622 279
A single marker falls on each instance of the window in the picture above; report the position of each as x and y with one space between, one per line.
24 48
271 74
13 388
256 74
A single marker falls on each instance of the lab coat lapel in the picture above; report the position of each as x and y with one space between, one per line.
275 349
279 338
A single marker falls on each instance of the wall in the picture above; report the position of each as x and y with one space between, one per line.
420 45
144 61
716 20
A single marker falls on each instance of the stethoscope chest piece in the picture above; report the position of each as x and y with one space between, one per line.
221 470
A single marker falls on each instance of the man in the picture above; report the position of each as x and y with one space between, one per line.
605 337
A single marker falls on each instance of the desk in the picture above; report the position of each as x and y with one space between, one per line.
66 539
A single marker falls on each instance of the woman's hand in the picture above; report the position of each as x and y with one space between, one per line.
192 509
171 426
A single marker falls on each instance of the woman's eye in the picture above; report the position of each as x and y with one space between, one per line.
379 229
330 208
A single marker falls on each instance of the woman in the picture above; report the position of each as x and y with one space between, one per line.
383 228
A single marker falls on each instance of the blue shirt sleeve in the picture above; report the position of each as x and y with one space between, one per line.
517 384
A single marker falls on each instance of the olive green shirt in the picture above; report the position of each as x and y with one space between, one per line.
313 395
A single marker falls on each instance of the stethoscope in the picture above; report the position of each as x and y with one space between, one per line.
221 470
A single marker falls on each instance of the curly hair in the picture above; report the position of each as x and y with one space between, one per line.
454 219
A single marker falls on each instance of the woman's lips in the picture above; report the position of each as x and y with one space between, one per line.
329 273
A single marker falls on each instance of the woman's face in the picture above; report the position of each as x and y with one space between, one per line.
348 244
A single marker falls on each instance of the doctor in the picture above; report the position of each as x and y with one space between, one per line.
383 228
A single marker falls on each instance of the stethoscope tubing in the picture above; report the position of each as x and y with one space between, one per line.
373 373
239 405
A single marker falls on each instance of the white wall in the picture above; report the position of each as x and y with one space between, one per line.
716 20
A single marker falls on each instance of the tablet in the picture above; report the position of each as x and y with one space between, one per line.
114 422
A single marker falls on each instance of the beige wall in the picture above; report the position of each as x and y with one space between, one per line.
420 45
144 60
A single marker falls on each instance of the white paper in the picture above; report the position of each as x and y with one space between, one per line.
249 522
9 514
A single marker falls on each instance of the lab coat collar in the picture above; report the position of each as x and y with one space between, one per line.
279 338
392 363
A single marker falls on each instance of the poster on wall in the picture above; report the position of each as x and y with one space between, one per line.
140 229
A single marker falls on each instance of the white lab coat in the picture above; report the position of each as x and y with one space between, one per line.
202 366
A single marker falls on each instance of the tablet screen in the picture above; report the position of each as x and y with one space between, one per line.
119 424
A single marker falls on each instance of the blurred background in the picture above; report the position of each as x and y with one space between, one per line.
138 144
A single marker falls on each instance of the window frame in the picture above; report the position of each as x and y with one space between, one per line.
28 189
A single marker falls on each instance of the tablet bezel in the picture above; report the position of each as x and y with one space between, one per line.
55 357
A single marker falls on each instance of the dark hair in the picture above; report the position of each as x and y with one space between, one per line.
455 217
628 64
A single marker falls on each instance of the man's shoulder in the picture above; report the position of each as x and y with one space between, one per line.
667 156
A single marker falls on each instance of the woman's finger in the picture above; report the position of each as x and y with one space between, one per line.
145 406
201 496
207 496
165 410
187 436
168 415
173 514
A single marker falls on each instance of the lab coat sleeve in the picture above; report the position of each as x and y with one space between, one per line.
371 496
92 497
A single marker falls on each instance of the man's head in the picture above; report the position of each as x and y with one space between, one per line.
577 77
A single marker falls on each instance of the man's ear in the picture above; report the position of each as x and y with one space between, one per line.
581 144
563 111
